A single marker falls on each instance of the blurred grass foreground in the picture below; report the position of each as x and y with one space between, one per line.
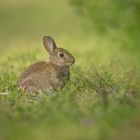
101 101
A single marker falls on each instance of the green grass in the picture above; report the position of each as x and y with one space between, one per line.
101 101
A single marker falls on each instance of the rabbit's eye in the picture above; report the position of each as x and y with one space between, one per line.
61 55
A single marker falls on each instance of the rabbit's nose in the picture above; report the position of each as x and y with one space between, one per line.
73 60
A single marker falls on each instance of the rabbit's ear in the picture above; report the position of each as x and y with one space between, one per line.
49 44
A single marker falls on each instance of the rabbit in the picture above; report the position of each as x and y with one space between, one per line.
45 76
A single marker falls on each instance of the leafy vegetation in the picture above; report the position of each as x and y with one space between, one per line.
118 20
101 101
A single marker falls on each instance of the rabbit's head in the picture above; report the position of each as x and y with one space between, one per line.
57 56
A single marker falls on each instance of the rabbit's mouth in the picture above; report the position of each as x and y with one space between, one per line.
70 63
67 64
61 64
73 61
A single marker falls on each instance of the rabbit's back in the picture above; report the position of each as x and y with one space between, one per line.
31 78
34 68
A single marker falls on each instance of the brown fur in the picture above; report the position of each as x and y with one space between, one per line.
46 76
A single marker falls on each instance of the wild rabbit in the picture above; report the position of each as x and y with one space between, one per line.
47 75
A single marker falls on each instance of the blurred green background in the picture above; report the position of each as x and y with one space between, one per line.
30 19
101 101
118 20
